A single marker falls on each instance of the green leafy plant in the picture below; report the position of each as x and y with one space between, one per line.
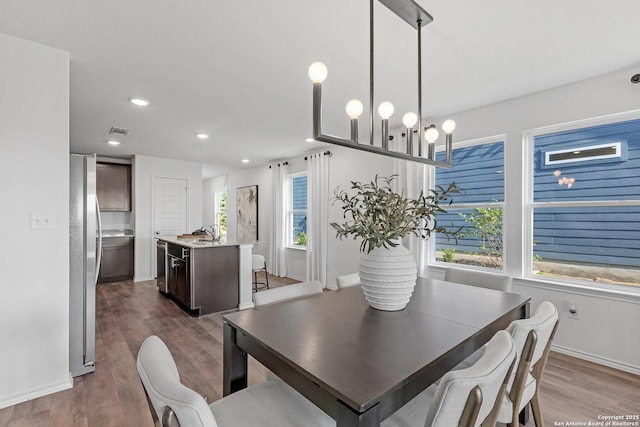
302 239
448 254
487 228
378 215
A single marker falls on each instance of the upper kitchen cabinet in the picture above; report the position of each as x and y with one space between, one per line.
114 187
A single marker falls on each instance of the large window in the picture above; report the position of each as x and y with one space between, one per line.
297 215
585 204
478 169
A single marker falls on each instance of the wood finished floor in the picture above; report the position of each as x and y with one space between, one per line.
571 390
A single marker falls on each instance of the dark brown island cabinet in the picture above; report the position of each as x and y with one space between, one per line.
117 259
113 187
204 279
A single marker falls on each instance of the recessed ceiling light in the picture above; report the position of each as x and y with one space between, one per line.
141 102
245 160
112 142
310 140
202 135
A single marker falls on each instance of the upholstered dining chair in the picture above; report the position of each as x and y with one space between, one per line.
533 338
348 280
467 397
258 264
270 404
287 292
482 279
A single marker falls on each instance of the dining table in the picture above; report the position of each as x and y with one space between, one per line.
358 364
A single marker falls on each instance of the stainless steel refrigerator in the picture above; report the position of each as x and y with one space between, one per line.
85 247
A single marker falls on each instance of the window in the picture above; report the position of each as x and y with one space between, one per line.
220 212
297 215
585 211
478 169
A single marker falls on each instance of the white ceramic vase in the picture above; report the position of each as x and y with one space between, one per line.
388 276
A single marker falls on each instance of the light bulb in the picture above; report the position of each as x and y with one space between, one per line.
410 120
318 72
140 102
431 134
385 110
354 108
448 126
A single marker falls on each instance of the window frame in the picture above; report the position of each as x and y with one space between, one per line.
290 244
529 205
470 206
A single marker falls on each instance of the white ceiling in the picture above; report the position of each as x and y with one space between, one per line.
238 69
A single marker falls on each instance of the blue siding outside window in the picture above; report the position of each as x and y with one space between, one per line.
479 171
594 235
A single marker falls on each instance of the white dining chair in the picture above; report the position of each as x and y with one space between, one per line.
348 280
533 338
468 397
482 279
281 293
258 264
269 404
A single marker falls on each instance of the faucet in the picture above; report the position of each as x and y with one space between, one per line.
215 232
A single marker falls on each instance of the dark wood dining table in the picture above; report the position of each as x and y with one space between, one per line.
359 364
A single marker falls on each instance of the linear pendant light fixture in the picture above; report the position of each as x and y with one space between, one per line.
417 17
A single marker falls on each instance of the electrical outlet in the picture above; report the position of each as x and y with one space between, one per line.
42 221
573 310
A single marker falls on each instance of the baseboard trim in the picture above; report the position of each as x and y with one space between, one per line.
54 388
246 306
597 359
294 277
143 279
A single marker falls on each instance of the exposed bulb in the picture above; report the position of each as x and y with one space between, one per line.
354 108
318 72
431 134
410 120
385 110
448 126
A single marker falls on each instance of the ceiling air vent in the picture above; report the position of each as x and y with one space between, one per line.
119 131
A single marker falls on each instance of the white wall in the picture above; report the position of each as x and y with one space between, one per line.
260 176
606 329
145 170
34 170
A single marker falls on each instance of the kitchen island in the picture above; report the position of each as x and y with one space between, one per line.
205 276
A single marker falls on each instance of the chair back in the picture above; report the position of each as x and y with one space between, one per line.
161 381
296 290
257 262
348 280
472 396
482 279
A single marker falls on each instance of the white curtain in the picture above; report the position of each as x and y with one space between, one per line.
317 216
277 233
412 177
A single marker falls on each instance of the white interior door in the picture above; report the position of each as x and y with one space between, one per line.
169 210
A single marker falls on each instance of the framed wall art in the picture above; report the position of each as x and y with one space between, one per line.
247 206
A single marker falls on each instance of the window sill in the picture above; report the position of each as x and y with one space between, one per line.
297 248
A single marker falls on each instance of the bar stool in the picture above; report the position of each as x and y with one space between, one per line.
259 264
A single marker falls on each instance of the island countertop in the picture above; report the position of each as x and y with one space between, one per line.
203 242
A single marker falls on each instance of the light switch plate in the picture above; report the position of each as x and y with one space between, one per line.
42 221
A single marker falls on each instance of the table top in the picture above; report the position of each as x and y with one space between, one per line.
360 354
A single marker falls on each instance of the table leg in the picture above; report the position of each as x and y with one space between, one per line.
234 371
347 417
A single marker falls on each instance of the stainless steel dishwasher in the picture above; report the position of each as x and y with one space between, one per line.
161 269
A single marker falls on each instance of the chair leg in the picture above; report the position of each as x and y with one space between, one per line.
537 413
266 275
255 281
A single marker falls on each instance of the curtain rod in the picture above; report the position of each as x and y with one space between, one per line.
326 153
283 164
